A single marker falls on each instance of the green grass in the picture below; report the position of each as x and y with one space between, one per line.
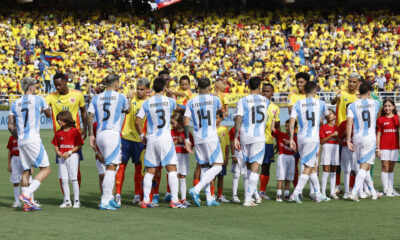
334 220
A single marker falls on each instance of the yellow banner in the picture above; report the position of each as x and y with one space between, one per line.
232 98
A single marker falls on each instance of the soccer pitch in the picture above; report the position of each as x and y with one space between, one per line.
339 219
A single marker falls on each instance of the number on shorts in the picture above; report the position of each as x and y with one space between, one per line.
26 110
257 110
107 111
201 116
161 117
366 117
311 118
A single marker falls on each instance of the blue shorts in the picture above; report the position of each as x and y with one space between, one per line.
223 171
79 153
131 149
269 153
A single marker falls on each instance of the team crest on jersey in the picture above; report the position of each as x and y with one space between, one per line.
59 101
72 100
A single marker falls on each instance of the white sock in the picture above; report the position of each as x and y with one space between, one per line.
346 182
370 183
173 185
359 181
324 182
16 193
147 183
207 191
65 187
301 183
279 192
312 189
33 187
24 190
315 183
235 183
75 188
252 188
207 177
108 185
30 179
390 180
245 182
182 186
384 179
332 182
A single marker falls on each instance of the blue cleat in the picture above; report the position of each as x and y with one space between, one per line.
212 203
177 204
114 204
27 200
167 197
195 196
107 207
295 198
156 199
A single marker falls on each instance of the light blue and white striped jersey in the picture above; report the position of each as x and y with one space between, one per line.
364 113
309 112
202 109
27 111
158 110
253 110
108 107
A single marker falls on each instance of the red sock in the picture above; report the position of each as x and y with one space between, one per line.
168 190
352 181
264 179
79 176
120 177
296 172
220 190
195 181
212 189
337 179
138 179
62 190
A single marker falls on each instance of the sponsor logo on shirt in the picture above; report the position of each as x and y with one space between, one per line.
66 146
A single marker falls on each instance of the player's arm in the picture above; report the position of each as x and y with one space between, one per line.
129 97
326 139
336 99
292 122
138 126
186 127
378 144
9 161
12 126
84 117
92 138
57 150
226 155
47 112
349 129
238 125
72 151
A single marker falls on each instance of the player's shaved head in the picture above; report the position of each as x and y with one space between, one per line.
203 83
254 83
364 88
310 87
159 84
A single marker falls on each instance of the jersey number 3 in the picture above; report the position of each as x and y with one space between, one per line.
161 117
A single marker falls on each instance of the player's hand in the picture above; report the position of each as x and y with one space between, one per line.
293 145
9 168
129 95
234 159
59 154
92 141
350 146
378 153
144 140
84 134
188 146
100 157
237 144
335 133
181 139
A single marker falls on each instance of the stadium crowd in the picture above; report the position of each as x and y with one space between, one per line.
273 45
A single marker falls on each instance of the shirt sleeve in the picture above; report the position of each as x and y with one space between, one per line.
141 114
9 144
325 111
81 100
12 110
218 103
188 112
239 108
44 104
349 111
278 111
78 138
55 140
126 103
293 114
91 106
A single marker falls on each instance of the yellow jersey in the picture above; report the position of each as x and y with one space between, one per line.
183 100
345 98
294 97
272 109
69 102
223 136
129 131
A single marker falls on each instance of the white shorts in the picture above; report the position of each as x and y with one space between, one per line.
109 143
365 151
348 160
309 153
253 152
183 163
68 168
390 155
101 167
330 154
160 153
208 153
285 167
239 167
16 170
33 154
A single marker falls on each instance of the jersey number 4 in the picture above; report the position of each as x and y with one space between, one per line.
257 110
311 117
201 116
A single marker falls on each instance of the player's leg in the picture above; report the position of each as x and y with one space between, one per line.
265 169
384 176
196 175
15 179
303 179
345 166
326 156
296 169
137 159
63 175
212 187
280 177
393 159
363 155
73 167
101 170
147 185
235 170
156 186
126 153
220 186
255 153
289 169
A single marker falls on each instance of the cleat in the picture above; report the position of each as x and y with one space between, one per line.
368 193
17 204
136 199
195 196
36 208
338 190
313 196
258 198
146 205
223 199
184 202
287 198
77 204
301 196
363 195
346 195
264 196
395 193
167 197
65 204
278 198
37 204
107 207
156 198
27 208
250 204
118 199
376 196
212 203
334 196
235 199
353 198
177 204
26 200
324 198
114 203
295 198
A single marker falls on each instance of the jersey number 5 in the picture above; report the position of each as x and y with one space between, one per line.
257 110
202 116
106 111
311 118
